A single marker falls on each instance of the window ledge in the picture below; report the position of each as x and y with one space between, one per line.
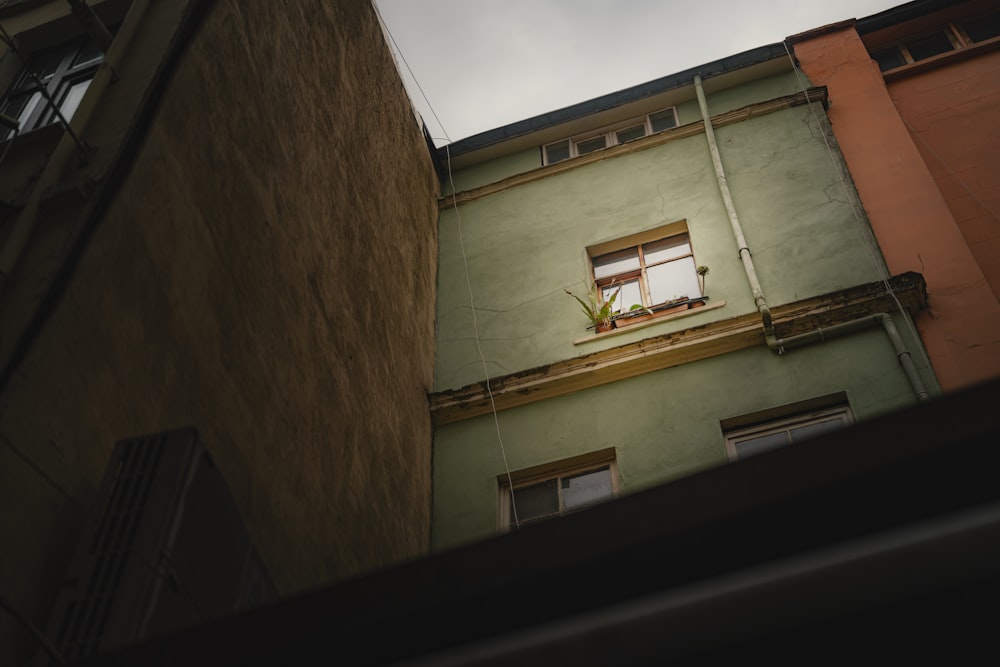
656 319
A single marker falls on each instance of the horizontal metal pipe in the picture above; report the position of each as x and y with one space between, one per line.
822 334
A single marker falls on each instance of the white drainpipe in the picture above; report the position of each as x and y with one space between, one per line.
819 335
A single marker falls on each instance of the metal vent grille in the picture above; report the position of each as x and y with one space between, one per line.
86 617
169 550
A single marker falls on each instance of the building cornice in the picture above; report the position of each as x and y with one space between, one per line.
676 348
816 94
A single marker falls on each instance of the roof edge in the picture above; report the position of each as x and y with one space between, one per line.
612 100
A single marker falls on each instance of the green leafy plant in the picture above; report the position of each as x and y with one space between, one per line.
702 271
597 310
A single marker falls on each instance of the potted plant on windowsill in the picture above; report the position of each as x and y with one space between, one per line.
637 313
599 313
702 271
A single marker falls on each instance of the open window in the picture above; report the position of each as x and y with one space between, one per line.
652 272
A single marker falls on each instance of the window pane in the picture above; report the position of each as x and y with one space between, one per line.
536 501
812 430
673 280
663 120
557 152
73 96
630 294
671 248
984 28
586 489
889 58
630 133
591 145
616 262
929 46
760 444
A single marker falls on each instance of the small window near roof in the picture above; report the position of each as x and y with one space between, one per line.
591 145
630 133
889 58
663 120
557 152
987 27
620 133
929 46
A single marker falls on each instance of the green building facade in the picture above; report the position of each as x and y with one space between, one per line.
528 394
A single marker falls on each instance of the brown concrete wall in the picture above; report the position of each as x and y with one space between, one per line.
951 113
265 273
909 215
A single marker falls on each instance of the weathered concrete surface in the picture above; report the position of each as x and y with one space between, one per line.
265 273
910 216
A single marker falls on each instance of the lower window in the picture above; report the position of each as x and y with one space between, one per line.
787 430
557 488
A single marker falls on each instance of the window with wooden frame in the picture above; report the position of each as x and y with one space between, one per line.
619 133
557 488
796 424
949 37
655 270
64 72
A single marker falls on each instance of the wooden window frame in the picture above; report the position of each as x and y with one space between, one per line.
554 470
672 230
952 30
784 419
610 134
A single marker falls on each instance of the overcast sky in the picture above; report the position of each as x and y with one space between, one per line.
486 63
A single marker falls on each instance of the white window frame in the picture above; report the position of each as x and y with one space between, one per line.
555 470
610 134
734 436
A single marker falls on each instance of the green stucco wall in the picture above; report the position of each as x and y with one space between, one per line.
525 245
664 425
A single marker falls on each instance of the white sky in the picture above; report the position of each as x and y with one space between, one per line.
486 63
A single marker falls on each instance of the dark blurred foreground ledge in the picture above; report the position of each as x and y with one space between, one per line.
879 540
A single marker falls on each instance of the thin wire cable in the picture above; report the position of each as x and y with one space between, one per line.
465 263
399 51
475 330
870 244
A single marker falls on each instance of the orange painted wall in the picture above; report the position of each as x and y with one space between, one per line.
952 114
910 216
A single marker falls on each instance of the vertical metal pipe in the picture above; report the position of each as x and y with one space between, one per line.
734 221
